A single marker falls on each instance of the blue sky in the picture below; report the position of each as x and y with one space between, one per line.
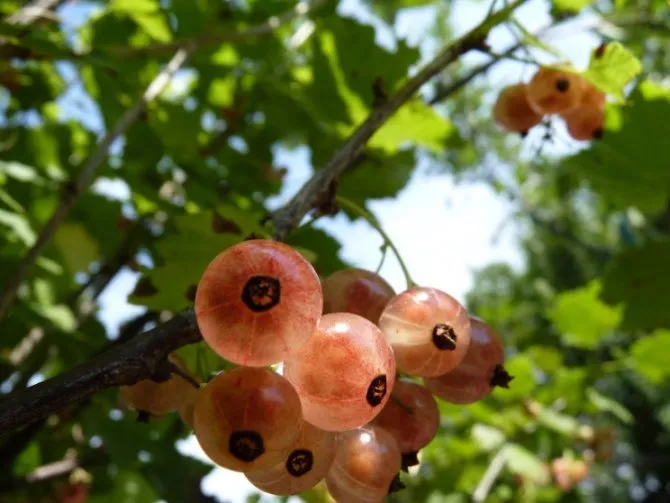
444 231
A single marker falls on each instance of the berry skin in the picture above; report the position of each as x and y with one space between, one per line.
411 416
257 302
247 418
428 329
367 460
187 408
592 96
553 91
344 374
513 112
585 123
356 291
479 372
305 465
158 398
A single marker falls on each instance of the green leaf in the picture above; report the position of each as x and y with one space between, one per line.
29 459
611 68
606 404
523 462
129 487
378 176
487 437
414 123
582 318
147 14
629 166
571 5
324 247
521 368
648 356
19 225
77 258
640 279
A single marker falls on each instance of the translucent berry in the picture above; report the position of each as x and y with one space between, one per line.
428 329
247 418
187 407
592 96
554 91
513 112
344 374
158 398
356 291
305 465
367 462
586 123
258 301
411 416
480 371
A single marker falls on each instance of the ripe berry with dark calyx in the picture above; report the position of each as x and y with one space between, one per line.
158 398
367 462
411 416
554 91
356 291
247 418
513 112
428 329
344 374
480 371
308 461
257 302
586 123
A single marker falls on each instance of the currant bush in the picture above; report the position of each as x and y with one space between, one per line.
344 374
257 302
247 418
428 329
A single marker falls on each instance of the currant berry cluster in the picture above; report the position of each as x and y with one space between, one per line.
347 407
552 91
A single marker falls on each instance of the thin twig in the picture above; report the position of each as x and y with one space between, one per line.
74 190
492 472
289 217
265 28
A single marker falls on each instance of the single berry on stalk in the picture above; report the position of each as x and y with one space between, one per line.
306 464
367 461
512 110
428 329
356 291
247 418
159 398
257 302
344 374
554 91
480 371
411 416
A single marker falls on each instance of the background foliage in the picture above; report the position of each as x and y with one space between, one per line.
586 322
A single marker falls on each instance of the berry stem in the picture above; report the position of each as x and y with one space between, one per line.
370 218
184 375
